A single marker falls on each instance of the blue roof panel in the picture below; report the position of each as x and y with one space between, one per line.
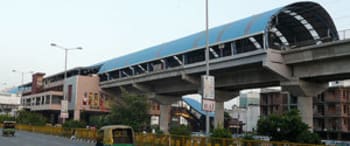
196 106
13 90
227 32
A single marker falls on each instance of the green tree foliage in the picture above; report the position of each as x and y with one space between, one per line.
308 137
221 132
6 118
180 130
288 127
31 118
130 109
74 124
99 121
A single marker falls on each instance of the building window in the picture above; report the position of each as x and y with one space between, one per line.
345 108
70 93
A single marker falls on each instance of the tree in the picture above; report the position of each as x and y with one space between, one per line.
99 120
288 127
74 124
130 109
6 118
180 130
31 118
221 132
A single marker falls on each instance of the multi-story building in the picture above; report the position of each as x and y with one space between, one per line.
82 91
331 109
247 116
248 98
331 113
273 101
9 103
81 88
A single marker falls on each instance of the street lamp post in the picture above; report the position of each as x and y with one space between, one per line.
207 119
65 74
22 77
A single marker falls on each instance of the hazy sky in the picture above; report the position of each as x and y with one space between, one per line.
111 28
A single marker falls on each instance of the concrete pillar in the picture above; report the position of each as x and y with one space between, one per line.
219 114
50 99
220 98
304 90
76 115
164 118
305 105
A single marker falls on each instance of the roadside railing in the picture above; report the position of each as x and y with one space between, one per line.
344 34
171 140
156 140
81 133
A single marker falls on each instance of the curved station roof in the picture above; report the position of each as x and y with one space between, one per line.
295 25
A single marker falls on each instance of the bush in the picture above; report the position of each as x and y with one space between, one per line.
180 130
287 127
308 137
74 124
99 121
31 118
248 137
221 133
157 130
6 118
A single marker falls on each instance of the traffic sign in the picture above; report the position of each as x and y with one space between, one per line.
208 105
208 87
64 109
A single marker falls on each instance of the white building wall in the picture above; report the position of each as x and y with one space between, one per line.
10 99
253 115
249 116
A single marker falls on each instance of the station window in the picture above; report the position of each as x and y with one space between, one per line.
70 93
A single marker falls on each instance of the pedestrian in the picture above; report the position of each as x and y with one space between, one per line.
73 137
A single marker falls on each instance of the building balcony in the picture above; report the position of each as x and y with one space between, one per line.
42 107
50 100
53 84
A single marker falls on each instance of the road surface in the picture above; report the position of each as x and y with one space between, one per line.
23 138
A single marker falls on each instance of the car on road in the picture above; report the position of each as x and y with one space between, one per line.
8 128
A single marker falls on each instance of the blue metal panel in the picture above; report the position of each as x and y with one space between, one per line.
227 32
13 90
196 106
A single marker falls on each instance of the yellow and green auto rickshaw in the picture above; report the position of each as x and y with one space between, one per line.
115 135
8 128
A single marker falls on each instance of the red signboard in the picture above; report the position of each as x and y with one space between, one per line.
208 105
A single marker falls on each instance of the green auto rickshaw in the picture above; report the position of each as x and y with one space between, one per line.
115 135
8 128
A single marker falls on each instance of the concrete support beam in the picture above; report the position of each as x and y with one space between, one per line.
304 90
166 100
220 98
142 88
190 79
162 99
274 61
164 118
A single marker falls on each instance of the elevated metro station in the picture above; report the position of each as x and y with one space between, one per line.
293 26
244 54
